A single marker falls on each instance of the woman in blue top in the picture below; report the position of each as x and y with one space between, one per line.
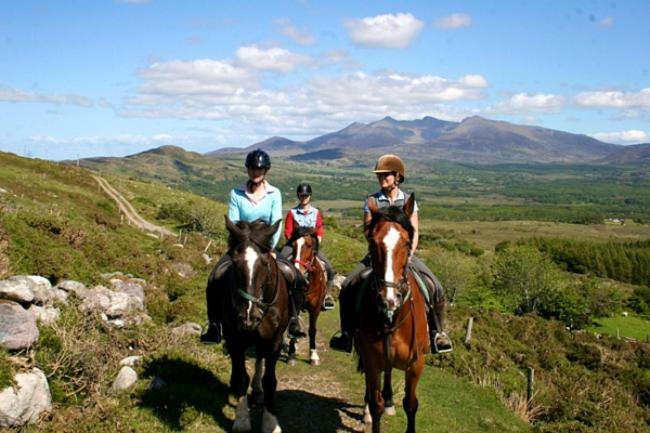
255 199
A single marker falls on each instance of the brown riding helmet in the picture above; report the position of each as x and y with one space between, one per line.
390 163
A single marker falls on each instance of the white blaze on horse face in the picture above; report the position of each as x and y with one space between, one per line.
299 243
250 257
390 241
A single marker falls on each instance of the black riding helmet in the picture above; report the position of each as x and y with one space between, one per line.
258 159
303 188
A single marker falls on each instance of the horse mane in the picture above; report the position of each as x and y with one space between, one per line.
255 231
393 214
301 231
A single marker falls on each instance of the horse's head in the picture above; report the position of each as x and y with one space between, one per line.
390 234
304 244
249 246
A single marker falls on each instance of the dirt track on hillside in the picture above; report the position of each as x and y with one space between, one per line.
127 209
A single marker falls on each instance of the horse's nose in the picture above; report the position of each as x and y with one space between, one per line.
391 303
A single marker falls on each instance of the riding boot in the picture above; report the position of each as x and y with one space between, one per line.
212 335
328 302
296 298
440 341
342 340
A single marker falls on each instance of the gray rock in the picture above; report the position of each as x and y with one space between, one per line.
16 290
130 361
41 287
60 296
46 315
25 402
131 288
17 326
109 275
189 328
75 287
113 304
125 379
183 270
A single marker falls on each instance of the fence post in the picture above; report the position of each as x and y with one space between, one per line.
531 384
468 333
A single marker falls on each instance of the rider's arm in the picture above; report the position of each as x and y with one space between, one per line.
233 207
367 217
276 214
320 230
288 225
415 222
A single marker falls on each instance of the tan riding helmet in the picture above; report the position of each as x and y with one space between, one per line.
390 163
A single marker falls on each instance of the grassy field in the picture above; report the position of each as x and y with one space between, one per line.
634 327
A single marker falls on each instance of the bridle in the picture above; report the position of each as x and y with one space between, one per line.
259 300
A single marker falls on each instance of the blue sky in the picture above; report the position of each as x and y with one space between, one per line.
112 78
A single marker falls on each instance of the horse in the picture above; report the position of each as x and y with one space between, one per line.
304 244
392 324
255 313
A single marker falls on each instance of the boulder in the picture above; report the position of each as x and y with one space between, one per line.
75 287
40 286
46 315
18 290
131 288
130 361
25 402
113 304
188 328
126 378
17 326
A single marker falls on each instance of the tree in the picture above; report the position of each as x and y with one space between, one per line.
526 278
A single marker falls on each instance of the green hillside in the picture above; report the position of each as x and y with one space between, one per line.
55 222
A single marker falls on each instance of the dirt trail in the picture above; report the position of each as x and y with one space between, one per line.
127 209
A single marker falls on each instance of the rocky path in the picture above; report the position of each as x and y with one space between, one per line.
127 209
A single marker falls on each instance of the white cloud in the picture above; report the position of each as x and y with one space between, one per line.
529 103
624 137
384 31
454 21
273 59
198 77
302 37
606 22
8 94
615 99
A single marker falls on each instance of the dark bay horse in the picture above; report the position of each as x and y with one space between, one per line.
304 244
255 314
392 330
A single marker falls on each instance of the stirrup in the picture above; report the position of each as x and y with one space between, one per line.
328 303
298 329
441 349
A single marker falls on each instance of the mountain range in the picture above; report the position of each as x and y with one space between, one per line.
475 139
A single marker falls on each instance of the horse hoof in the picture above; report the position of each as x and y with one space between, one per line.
292 362
315 362
390 410
270 423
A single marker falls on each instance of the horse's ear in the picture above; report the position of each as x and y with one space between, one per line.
409 206
372 205
231 226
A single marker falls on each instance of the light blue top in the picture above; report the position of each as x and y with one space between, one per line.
268 209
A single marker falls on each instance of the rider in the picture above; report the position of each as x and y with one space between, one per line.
390 172
254 199
304 215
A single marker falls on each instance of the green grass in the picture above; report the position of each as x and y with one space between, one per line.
634 327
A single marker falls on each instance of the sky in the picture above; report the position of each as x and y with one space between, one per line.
116 77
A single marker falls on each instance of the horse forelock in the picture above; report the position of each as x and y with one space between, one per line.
255 232
300 232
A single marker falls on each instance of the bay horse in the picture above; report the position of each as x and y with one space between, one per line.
392 331
304 244
255 313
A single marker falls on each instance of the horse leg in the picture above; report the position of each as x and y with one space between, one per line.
291 355
269 421
257 395
410 401
313 355
239 381
375 400
387 394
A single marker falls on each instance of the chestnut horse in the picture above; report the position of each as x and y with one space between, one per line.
255 313
392 330
304 244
